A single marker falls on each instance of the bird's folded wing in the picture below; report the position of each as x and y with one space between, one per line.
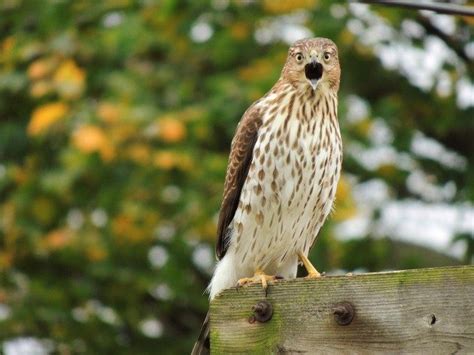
239 163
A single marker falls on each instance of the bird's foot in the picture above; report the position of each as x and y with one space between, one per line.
313 275
312 272
258 277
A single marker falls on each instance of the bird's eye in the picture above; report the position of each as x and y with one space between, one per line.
327 55
299 57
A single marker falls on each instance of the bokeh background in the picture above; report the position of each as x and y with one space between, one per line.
115 124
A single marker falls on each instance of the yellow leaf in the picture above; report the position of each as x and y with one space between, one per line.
363 127
43 209
387 170
57 239
127 229
285 6
208 228
168 160
343 191
69 80
139 153
469 20
96 253
345 206
6 260
239 30
108 112
171 130
165 160
44 116
90 139
7 45
191 113
256 70
40 68
346 37
40 88
255 94
123 131
20 175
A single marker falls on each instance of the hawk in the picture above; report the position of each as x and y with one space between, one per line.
283 170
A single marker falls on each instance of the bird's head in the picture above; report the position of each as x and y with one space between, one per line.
313 64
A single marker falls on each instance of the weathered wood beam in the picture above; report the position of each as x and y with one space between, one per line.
413 311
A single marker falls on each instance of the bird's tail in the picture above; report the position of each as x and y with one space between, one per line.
202 345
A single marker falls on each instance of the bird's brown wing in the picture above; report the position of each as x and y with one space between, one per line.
239 163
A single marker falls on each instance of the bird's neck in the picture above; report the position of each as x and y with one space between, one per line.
304 91
286 98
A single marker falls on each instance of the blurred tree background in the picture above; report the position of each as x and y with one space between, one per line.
115 124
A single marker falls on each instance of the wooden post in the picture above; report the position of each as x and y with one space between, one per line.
412 311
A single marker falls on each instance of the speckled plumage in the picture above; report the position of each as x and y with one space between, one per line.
283 170
290 182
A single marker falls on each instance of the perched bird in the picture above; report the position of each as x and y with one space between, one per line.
283 170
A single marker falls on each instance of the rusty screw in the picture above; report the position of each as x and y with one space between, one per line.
262 312
343 313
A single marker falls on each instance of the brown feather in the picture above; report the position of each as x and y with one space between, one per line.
202 345
239 163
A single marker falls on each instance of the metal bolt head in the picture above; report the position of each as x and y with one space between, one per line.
343 313
262 312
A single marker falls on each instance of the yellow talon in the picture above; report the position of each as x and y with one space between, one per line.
312 272
259 276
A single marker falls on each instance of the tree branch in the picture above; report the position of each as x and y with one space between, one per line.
450 9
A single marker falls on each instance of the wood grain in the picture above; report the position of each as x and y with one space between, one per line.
413 311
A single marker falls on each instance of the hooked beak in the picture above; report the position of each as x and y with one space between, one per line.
313 72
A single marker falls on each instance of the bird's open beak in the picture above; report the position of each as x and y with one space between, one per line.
313 72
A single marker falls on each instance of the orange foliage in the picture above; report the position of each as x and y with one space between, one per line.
40 88
40 68
257 70
167 160
69 80
139 153
129 230
285 6
171 130
239 30
108 112
7 44
6 259
468 19
57 239
345 206
96 253
20 175
44 116
363 127
122 132
90 139
387 170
